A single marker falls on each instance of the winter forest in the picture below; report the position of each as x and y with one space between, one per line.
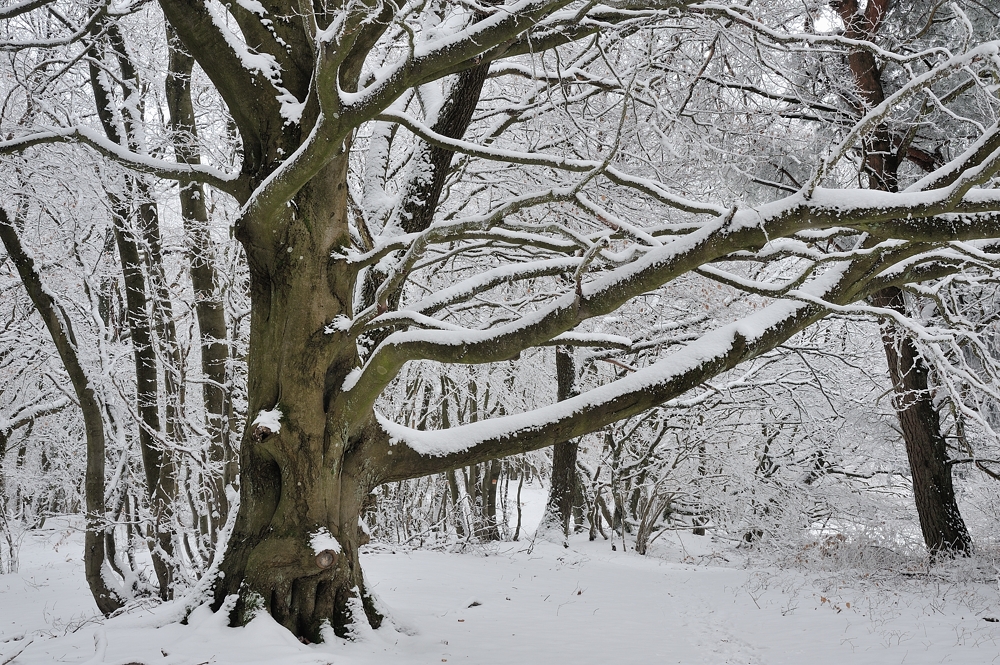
321 321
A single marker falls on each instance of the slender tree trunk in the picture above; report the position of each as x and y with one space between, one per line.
58 324
209 310
491 481
456 503
147 397
456 496
159 484
564 491
941 522
520 486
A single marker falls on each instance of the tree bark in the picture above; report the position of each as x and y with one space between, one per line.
941 522
209 310
490 529
308 477
160 482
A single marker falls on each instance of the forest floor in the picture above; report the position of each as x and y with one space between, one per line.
692 601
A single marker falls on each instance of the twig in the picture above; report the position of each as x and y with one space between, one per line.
18 652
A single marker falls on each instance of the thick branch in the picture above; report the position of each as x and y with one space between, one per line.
887 215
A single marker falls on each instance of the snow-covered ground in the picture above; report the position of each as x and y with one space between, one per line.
537 603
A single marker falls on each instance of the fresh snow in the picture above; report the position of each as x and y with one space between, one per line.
322 540
692 602
270 420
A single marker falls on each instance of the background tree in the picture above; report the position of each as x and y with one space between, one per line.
941 521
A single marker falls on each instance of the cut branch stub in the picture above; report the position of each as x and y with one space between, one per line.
326 559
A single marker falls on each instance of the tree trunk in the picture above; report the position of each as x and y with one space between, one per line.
160 484
209 310
491 479
294 549
58 324
147 391
564 489
305 478
941 522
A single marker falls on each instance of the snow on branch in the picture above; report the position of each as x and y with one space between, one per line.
880 112
417 452
645 185
77 34
23 8
489 279
168 170
922 216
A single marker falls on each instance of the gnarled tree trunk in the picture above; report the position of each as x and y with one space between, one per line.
294 549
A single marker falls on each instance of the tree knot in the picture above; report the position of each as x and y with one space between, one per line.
326 559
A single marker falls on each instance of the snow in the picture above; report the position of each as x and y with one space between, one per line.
291 108
257 61
695 601
322 540
269 420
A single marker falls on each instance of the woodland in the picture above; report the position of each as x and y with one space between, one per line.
283 279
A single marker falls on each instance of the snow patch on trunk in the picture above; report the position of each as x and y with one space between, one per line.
322 540
269 420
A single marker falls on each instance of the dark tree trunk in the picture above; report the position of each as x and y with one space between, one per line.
564 492
209 310
147 392
458 516
490 529
458 506
160 484
941 522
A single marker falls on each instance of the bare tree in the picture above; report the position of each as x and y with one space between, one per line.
58 324
341 116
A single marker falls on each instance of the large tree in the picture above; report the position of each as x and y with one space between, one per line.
403 163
